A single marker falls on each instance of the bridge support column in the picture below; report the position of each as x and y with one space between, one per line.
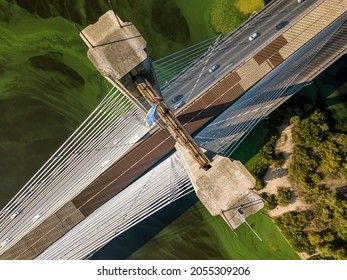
225 189
118 51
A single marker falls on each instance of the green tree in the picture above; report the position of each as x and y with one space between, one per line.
314 238
312 131
331 158
270 200
225 16
284 196
278 160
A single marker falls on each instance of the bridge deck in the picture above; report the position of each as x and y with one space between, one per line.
209 104
38 239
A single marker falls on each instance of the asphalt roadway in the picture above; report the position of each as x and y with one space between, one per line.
234 49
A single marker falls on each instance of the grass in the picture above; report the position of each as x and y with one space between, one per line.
249 6
198 235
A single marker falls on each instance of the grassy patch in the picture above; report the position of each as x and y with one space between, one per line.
226 15
198 235
249 6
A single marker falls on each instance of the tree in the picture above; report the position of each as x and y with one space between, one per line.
270 200
314 238
278 160
284 196
312 131
225 16
331 159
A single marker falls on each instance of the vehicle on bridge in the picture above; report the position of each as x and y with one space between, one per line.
104 163
36 217
15 214
213 68
5 242
177 98
253 36
179 104
282 24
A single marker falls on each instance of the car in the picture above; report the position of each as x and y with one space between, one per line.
300 1
179 104
213 68
15 214
177 98
36 217
5 242
281 25
105 162
134 139
253 36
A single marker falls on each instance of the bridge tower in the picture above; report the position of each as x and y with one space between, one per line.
119 52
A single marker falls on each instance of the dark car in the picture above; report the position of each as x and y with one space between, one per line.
177 98
281 25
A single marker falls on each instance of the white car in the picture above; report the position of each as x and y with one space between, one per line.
179 104
253 36
5 242
300 1
104 163
37 216
15 214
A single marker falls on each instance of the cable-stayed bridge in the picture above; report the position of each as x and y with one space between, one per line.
70 203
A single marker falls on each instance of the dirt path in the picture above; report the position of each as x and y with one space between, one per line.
278 177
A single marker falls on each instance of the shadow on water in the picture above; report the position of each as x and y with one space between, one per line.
122 246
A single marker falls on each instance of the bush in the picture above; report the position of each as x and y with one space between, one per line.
292 225
225 16
249 6
263 160
270 200
284 196
278 160
312 131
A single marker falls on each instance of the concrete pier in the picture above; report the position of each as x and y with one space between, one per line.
119 53
225 189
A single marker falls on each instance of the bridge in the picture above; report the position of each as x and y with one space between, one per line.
104 178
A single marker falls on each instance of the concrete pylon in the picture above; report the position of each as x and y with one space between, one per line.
119 52
225 189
